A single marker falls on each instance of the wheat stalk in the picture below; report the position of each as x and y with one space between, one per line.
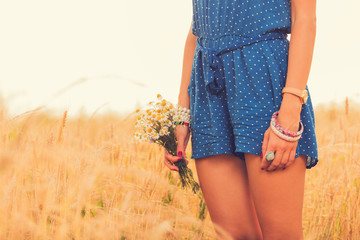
347 107
63 122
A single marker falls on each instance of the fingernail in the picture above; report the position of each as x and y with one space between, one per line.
261 155
179 153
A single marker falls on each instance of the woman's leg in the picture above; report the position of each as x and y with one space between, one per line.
224 184
278 197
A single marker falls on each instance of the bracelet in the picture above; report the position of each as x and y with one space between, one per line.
283 136
182 123
181 114
275 123
283 133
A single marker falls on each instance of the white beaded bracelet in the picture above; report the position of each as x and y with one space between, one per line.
182 114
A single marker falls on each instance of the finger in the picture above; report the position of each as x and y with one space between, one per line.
180 148
168 162
265 162
275 163
291 158
284 160
264 146
171 157
170 166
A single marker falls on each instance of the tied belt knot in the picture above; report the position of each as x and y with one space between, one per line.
213 72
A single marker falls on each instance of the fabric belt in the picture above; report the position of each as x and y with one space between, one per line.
214 79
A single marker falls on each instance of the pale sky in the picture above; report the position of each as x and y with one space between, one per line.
117 54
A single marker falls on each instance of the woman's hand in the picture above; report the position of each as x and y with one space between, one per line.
284 150
182 134
170 159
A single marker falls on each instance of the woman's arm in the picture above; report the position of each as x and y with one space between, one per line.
303 31
183 134
190 44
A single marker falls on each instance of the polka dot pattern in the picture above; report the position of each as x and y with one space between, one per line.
248 78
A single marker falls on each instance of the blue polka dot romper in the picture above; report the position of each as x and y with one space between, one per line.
238 72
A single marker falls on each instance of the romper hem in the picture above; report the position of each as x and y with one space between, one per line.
311 161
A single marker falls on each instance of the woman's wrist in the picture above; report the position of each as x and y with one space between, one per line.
184 99
291 104
289 112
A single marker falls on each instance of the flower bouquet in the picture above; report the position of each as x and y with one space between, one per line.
157 125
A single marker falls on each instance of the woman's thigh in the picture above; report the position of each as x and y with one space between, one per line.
278 197
224 184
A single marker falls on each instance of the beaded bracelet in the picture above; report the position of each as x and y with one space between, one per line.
182 123
283 133
182 114
282 130
275 122
283 136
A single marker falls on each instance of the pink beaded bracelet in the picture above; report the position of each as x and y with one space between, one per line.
283 133
275 123
283 136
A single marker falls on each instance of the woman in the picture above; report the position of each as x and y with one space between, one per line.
237 62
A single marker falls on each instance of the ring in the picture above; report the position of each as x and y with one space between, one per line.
270 156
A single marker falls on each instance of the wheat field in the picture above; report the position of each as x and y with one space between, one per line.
87 178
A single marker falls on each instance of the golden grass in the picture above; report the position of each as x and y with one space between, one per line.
86 178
